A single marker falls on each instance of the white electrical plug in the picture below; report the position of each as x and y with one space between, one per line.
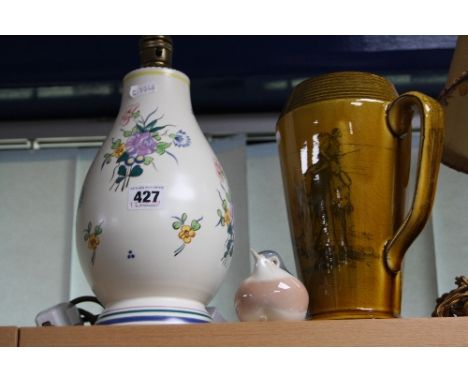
63 314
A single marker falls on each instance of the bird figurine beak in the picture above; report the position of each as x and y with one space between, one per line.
255 254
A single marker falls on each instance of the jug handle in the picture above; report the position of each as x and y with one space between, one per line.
430 155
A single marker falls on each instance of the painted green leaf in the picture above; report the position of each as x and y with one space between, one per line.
136 171
157 128
123 157
89 226
161 147
225 205
150 125
86 237
172 136
220 214
127 133
119 179
176 225
140 128
195 225
116 143
184 217
148 160
98 230
107 155
122 170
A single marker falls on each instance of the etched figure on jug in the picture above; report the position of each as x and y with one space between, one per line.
329 187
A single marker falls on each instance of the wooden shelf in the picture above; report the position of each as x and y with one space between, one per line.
8 336
388 332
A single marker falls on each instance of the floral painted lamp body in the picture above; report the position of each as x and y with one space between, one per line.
154 224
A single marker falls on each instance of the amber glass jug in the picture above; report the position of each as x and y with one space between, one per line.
345 147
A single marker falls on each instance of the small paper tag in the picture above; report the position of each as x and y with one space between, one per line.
145 197
139 90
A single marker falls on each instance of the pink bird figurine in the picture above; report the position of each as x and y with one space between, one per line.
270 293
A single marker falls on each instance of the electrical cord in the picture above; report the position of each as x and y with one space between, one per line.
79 300
86 317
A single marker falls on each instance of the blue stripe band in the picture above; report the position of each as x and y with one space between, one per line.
150 318
123 312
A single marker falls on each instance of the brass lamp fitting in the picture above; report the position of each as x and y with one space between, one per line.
156 51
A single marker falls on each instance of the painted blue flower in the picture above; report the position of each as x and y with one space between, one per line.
181 139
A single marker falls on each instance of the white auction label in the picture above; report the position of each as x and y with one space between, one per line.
139 90
144 197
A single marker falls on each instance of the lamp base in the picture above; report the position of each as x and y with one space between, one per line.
153 311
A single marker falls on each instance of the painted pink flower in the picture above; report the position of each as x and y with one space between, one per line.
219 169
129 114
140 144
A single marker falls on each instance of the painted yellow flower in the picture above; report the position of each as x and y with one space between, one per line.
93 242
186 233
119 150
227 217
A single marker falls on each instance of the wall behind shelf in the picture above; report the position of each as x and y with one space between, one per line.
36 238
39 265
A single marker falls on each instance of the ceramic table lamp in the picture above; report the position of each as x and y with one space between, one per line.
154 225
